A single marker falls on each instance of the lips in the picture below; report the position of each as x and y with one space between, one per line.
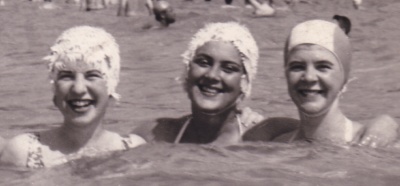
80 105
209 90
307 92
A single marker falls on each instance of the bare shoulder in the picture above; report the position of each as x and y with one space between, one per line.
15 151
161 129
144 130
135 140
271 128
379 131
382 124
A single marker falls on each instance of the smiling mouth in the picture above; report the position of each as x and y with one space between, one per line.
209 91
80 105
306 93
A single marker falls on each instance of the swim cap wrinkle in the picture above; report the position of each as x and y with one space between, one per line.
325 34
231 32
86 46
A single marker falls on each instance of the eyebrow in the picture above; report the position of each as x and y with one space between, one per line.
324 62
94 70
64 71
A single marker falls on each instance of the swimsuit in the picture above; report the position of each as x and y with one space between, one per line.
35 151
186 124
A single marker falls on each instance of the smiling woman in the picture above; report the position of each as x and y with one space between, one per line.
221 62
317 68
84 69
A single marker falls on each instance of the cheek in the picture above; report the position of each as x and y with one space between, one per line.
236 83
335 80
292 78
60 88
194 74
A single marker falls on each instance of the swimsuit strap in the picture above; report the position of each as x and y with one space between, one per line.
182 130
186 124
348 133
35 157
126 141
294 136
239 122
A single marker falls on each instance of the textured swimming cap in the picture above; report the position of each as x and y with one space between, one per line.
326 34
231 32
86 46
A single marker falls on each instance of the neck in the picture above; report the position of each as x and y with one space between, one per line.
329 126
208 126
80 136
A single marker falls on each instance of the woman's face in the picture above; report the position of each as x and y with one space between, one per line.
314 78
214 77
81 95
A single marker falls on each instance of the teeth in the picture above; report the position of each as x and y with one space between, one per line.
80 103
310 92
209 89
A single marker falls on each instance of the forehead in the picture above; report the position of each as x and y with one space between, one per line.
312 52
80 66
220 49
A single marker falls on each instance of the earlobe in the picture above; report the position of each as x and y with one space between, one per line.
244 85
343 90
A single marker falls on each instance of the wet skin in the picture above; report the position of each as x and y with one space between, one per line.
314 77
81 96
214 77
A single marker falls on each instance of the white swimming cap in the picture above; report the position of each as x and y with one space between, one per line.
231 32
86 45
326 34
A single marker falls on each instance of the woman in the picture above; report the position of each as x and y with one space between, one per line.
221 63
84 69
317 67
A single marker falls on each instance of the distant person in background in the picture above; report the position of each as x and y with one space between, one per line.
262 8
89 5
357 4
84 65
160 9
164 13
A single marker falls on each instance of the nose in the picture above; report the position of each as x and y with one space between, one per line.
213 73
79 85
310 75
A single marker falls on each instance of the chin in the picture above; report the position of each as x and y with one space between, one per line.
82 121
311 109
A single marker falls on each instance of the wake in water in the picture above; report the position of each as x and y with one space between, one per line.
246 164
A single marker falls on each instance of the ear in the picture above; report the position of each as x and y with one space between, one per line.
343 90
244 85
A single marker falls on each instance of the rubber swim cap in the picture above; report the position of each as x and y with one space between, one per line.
231 32
326 34
86 46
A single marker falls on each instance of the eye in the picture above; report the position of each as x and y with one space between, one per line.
324 66
231 67
65 75
296 66
93 75
202 61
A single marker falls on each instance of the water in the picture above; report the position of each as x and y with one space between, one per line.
150 65
246 164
